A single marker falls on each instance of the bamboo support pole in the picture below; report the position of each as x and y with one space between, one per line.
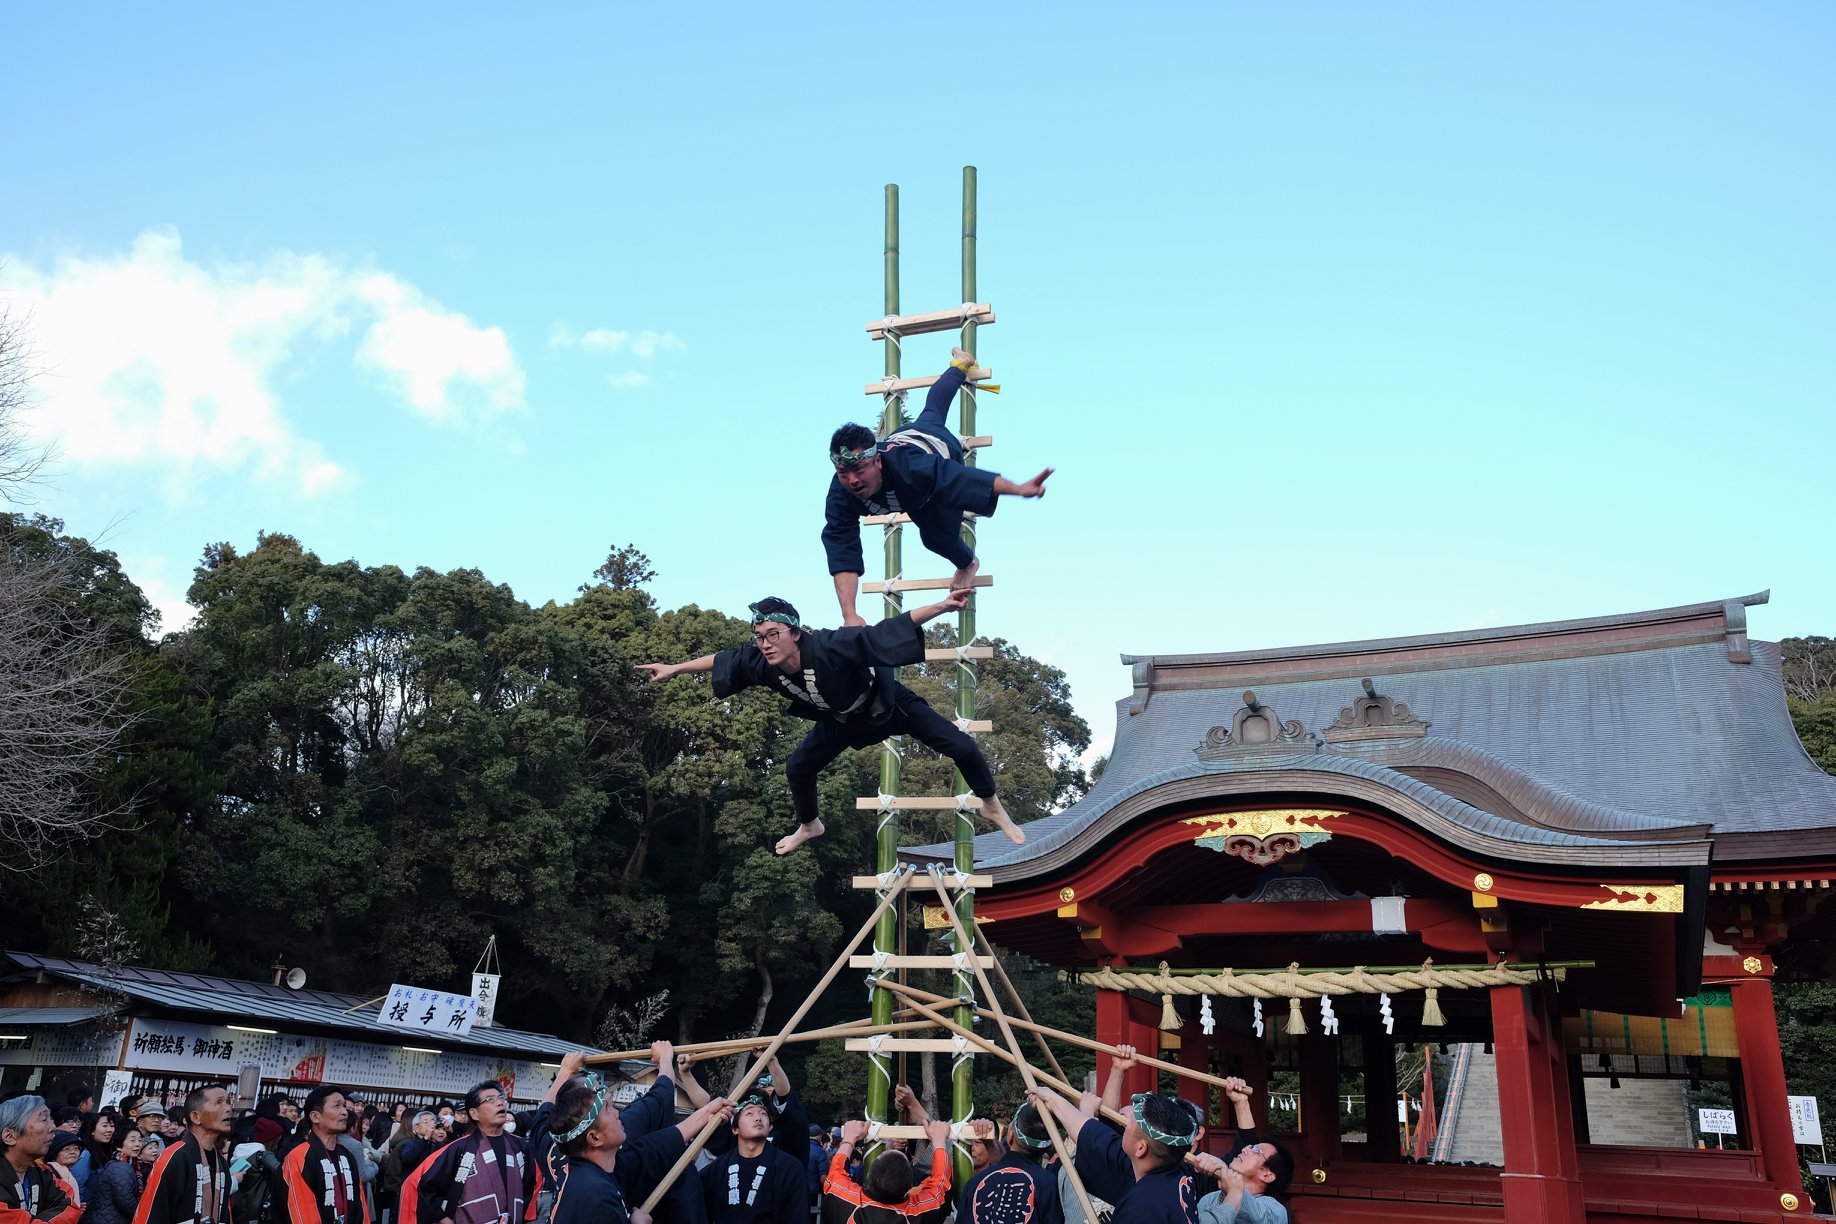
913 993
962 907
886 836
1027 1074
687 1159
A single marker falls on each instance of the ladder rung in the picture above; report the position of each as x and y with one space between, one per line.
910 1045
866 961
881 520
902 1130
916 803
945 654
951 879
976 375
979 313
922 584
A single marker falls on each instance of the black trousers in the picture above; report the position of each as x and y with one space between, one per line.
910 716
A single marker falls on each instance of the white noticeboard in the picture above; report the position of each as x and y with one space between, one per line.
116 1084
484 993
1806 1127
434 1012
1716 1122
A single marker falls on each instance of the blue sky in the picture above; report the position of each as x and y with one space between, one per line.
1338 320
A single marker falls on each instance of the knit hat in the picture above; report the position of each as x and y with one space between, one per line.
62 1140
267 1130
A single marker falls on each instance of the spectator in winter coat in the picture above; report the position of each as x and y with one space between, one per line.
115 1190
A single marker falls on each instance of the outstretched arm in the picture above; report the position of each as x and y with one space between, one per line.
688 1083
1239 1093
1032 488
1120 1065
663 671
717 1107
907 1103
955 601
571 1062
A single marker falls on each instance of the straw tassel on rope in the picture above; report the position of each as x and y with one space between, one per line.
1169 1015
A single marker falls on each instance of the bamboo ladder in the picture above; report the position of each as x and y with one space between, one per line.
889 958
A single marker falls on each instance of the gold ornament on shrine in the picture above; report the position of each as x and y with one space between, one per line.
1752 964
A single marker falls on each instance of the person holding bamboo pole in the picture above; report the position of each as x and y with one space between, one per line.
602 1168
885 1194
1014 1187
1250 1176
1142 1170
839 680
918 471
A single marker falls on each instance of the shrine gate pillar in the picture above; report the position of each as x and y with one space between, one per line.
1542 1177
1756 1028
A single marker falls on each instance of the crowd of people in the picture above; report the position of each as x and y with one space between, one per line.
577 1158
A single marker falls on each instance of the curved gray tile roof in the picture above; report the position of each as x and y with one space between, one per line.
1618 740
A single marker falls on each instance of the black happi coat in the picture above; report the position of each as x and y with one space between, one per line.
842 678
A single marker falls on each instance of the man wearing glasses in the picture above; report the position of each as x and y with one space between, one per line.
1249 1177
487 1177
840 680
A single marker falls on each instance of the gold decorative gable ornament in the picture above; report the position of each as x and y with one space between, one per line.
1640 898
1265 836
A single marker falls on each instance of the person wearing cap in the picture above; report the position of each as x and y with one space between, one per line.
1142 1170
1011 1184
256 1170
150 1116
840 680
190 1184
756 1182
1250 1175
919 471
61 1160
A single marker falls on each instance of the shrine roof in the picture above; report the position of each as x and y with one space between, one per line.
1649 738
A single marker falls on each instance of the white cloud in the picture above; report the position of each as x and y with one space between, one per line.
150 358
640 344
629 379
168 599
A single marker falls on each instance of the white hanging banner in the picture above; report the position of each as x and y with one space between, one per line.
484 995
415 1010
115 1085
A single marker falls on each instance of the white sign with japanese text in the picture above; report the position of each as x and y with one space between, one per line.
413 1009
1716 1122
1806 1126
484 992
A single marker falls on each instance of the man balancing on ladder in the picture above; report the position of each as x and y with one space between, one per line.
917 471
838 679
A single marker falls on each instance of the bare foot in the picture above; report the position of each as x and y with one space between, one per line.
805 832
964 356
964 578
991 808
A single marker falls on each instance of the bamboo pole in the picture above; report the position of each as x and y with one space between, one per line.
962 1069
886 836
913 993
1027 1074
981 938
863 1027
687 1158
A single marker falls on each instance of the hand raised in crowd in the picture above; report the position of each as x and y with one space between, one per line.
853 1131
1237 1089
1126 1058
938 1133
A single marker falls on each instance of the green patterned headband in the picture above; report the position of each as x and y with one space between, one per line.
842 457
784 614
600 1088
1139 1101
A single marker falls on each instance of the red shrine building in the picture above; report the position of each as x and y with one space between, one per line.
1616 810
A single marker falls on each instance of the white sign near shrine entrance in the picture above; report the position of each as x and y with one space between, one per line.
484 991
414 1010
1806 1127
1716 1122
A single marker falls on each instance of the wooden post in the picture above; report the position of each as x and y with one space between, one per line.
1542 1177
1756 1029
